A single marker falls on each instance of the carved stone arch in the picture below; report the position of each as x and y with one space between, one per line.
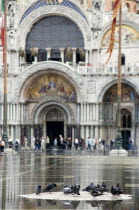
34 116
42 12
108 26
109 84
47 67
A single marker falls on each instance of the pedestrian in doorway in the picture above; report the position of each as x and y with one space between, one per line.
36 143
55 143
47 142
76 142
39 143
43 143
61 141
25 142
69 143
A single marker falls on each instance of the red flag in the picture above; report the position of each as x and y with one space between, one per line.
2 24
117 6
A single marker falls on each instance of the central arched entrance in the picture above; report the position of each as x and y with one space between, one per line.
54 125
126 122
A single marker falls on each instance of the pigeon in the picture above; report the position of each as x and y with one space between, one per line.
119 189
96 193
67 190
100 188
49 187
90 187
39 189
116 190
75 189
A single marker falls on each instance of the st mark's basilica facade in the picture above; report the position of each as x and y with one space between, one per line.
58 82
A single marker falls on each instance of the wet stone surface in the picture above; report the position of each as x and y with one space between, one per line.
21 173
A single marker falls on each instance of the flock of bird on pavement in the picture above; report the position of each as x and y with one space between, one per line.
94 190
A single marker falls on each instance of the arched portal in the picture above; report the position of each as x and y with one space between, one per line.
108 112
55 122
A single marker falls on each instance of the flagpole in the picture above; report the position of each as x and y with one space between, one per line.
5 137
118 142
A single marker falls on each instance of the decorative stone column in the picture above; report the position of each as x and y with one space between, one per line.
86 57
32 136
73 136
74 57
62 54
90 56
48 53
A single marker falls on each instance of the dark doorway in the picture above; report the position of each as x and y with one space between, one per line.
122 60
125 136
54 129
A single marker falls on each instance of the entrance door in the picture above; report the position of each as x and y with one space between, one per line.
54 129
125 136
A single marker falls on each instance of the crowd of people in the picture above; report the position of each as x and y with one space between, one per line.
64 144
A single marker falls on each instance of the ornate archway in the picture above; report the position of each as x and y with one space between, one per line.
41 12
39 69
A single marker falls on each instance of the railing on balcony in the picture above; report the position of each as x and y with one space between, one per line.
107 70
84 70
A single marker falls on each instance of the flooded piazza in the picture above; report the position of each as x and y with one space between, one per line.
21 173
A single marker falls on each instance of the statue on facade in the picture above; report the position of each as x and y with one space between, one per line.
11 39
11 15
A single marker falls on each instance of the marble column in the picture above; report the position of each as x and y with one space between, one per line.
48 53
32 136
86 57
62 54
87 131
74 57
82 131
90 56
96 132
73 136
91 132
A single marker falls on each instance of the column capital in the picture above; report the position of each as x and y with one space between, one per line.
48 49
61 49
74 49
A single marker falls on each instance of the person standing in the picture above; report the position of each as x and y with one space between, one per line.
88 144
16 145
69 143
2 145
76 142
25 142
43 143
55 143
47 142
10 142
39 143
61 141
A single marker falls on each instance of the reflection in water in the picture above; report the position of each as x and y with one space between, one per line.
51 202
105 204
21 173
72 204
39 202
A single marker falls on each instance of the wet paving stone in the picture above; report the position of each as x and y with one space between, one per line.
21 173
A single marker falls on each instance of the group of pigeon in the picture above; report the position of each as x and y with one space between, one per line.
95 190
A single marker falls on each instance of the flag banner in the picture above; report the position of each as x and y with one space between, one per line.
117 6
2 23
